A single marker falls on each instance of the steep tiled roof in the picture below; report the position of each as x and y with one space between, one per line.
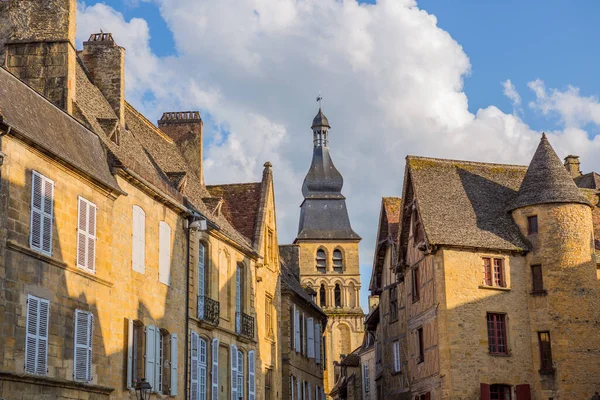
392 207
589 181
546 181
49 127
240 206
463 203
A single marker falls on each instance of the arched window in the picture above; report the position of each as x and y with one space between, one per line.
321 261
322 296
337 292
338 261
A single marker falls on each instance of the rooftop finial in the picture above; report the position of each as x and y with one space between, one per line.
320 100
544 135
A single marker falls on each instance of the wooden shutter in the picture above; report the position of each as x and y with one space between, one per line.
318 343
485 391
83 346
130 354
297 329
251 376
174 361
138 248
310 331
86 235
215 369
234 369
523 392
42 199
202 356
151 355
194 364
164 253
240 369
36 338
201 281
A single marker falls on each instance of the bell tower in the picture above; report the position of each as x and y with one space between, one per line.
328 246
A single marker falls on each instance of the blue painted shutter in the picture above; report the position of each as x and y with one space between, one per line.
215 369
194 383
86 235
251 376
201 282
151 355
234 376
174 362
202 368
42 199
82 369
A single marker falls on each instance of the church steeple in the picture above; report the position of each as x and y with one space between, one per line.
323 213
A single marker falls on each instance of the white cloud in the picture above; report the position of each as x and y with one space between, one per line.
511 93
392 82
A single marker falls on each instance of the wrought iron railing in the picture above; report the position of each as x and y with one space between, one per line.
245 326
208 310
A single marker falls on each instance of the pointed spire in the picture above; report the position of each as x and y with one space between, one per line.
320 120
547 180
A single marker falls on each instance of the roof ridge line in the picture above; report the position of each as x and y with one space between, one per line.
450 160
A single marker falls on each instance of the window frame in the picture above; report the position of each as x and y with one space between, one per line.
416 283
532 225
269 315
546 362
497 323
337 261
87 236
421 345
494 272
498 387
43 213
321 260
537 280
397 362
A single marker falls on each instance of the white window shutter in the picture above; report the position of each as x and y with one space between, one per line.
240 375
292 387
310 331
297 326
41 367
215 369
234 371
251 376
42 199
194 364
158 373
138 248
238 299
150 355
298 389
202 369
31 340
86 235
174 361
83 346
164 253
309 391
317 340
201 281
130 354
304 347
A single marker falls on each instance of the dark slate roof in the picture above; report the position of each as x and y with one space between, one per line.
323 180
463 203
241 205
546 181
49 127
588 181
320 120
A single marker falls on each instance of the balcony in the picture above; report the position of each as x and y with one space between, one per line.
244 325
208 310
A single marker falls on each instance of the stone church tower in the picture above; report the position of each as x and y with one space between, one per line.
329 261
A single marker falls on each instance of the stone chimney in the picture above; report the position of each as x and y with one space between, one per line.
572 165
40 46
105 61
185 128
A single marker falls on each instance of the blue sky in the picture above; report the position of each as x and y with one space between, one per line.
390 78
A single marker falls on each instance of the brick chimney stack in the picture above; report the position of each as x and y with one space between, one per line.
185 128
572 165
39 40
105 61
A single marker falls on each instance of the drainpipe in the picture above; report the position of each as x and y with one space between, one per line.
187 310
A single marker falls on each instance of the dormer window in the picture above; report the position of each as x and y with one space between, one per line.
532 225
321 261
338 261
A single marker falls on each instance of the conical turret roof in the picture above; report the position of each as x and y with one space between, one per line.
546 181
320 120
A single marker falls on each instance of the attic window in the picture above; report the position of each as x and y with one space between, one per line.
532 225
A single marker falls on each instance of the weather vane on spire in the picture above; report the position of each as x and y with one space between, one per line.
320 99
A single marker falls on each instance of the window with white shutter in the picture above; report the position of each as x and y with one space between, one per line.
84 326
396 355
238 299
215 369
317 343
36 338
292 387
194 364
251 376
234 367
130 354
304 337
309 391
86 235
173 365
42 203
138 246
150 355
298 389
297 329
240 375
202 357
164 253
310 331
201 281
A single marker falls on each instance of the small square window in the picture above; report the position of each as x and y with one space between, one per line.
532 225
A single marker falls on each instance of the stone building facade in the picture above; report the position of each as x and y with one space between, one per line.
106 226
328 247
500 284
302 325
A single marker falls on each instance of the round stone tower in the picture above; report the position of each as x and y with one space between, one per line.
556 218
